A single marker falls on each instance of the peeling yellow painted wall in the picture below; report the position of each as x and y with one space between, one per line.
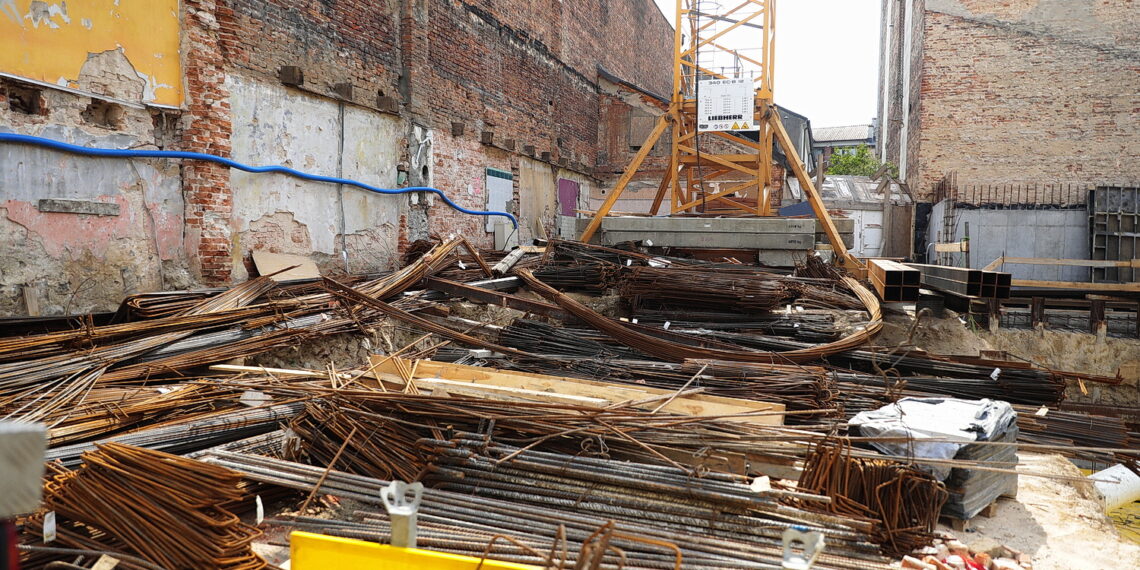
53 41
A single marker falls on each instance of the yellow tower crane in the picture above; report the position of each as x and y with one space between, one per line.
722 120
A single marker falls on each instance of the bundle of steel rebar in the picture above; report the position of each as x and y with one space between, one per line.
190 433
700 288
160 507
664 344
591 277
379 430
903 503
43 376
1011 386
108 410
719 506
813 326
1075 429
538 337
738 537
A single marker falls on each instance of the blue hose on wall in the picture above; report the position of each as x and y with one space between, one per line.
128 153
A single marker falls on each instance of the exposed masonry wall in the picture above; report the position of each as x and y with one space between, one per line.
404 92
56 262
206 127
81 262
1024 91
338 227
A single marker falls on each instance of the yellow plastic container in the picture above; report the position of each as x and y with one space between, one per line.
320 552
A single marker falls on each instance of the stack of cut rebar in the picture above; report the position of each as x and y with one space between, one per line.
718 290
551 502
157 506
903 503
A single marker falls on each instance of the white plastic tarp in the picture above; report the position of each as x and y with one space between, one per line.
953 421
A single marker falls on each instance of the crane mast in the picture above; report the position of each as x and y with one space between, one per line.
722 120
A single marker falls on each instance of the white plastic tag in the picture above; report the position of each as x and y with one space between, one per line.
260 509
994 375
105 563
49 527
761 484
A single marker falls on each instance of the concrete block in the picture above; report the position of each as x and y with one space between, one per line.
343 90
291 75
781 257
739 240
22 448
78 207
387 105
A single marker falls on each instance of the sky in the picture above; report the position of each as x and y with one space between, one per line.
827 58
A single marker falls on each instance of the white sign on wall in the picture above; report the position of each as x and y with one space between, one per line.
726 105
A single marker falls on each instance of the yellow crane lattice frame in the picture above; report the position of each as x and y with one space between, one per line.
695 177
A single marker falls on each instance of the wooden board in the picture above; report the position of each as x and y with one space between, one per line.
267 263
452 378
953 247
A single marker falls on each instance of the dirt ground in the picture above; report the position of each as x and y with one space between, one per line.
947 335
1059 350
1060 524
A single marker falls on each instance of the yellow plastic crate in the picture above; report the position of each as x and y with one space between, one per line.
319 552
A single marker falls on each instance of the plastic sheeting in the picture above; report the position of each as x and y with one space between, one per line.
922 419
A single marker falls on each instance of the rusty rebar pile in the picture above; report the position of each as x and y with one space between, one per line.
718 290
901 502
160 507
732 520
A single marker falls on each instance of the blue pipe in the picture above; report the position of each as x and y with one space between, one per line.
130 153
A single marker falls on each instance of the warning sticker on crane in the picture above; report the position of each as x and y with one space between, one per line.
726 105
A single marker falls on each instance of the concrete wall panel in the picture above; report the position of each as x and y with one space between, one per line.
1061 234
279 213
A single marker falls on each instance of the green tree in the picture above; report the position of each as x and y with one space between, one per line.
861 163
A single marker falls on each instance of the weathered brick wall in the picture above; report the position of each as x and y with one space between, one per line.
347 41
521 73
460 172
206 128
1029 91
380 77
630 39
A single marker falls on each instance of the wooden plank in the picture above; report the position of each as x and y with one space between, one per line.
1127 287
507 392
694 404
993 265
954 247
267 263
1062 262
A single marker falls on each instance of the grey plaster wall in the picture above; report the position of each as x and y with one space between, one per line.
273 212
61 262
1062 234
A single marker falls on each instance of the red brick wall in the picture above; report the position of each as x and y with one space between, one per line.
347 41
206 128
460 172
1028 92
526 72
